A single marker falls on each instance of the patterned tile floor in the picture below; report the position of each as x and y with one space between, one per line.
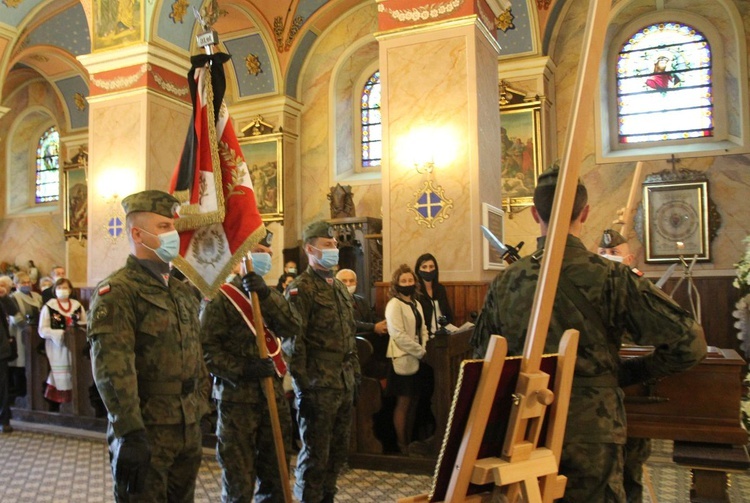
39 464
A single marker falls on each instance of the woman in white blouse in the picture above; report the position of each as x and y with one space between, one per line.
57 315
408 339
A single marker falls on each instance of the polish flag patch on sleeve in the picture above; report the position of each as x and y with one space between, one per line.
104 289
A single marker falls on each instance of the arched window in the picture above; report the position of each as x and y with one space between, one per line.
664 85
48 167
371 124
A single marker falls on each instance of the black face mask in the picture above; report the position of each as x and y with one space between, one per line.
406 290
428 275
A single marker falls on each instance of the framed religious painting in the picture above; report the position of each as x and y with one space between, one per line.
264 157
676 221
75 196
520 151
492 219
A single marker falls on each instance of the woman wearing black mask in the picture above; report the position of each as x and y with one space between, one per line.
433 298
408 338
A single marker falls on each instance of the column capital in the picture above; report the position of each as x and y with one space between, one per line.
400 14
138 66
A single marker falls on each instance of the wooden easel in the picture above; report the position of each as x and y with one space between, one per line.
526 468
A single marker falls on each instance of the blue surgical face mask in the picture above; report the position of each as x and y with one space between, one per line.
169 247
25 289
329 257
261 263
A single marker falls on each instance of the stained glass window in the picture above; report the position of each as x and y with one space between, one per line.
48 167
372 127
664 87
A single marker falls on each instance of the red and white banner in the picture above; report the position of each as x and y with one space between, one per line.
218 220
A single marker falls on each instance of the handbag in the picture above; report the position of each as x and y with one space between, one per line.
13 348
405 365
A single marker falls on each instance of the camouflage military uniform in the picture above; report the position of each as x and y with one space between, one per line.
592 457
325 371
148 366
246 445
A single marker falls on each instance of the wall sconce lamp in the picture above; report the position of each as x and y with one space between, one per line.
424 167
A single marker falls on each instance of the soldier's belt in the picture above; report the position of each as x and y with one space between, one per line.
329 356
167 387
603 381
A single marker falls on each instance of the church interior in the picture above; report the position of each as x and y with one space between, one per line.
427 119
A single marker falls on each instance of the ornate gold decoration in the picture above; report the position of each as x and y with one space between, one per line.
39 57
120 82
278 32
509 96
210 13
252 63
179 9
257 127
543 4
12 3
124 82
80 101
430 205
296 24
505 20
423 12
168 86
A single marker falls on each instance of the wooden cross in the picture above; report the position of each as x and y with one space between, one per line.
673 161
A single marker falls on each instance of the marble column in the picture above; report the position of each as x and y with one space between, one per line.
139 111
441 130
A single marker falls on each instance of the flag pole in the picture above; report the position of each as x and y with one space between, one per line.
208 39
268 390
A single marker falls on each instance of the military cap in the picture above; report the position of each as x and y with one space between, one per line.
611 238
317 229
152 201
549 176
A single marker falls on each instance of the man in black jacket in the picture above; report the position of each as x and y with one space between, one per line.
7 308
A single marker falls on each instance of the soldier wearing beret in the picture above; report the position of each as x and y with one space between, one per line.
324 366
614 247
246 444
602 299
147 360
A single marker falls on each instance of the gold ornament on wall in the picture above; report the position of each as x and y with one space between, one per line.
80 101
278 32
430 205
543 4
12 3
296 24
504 21
252 63
179 9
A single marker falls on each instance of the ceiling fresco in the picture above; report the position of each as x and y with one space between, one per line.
269 40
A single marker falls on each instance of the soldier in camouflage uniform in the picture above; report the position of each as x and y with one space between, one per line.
324 366
614 246
246 441
147 361
602 299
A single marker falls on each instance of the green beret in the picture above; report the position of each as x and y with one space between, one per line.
549 177
611 238
318 229
152 201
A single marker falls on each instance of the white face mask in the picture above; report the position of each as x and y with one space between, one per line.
62 293
614 258
352 289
